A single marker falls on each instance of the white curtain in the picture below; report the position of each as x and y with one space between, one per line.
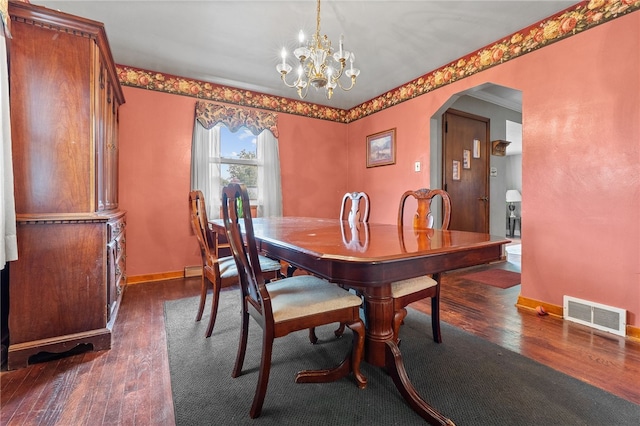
205 173
269 187
9 246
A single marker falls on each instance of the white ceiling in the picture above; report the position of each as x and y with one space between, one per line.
237 43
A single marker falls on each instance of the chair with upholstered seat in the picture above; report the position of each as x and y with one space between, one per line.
287 305
355 216
414 289
216 271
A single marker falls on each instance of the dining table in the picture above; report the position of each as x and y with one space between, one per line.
368 257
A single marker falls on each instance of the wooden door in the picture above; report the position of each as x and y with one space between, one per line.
466 169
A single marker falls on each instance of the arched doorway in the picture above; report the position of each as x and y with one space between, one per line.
503 106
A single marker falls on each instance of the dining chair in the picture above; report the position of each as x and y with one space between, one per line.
284 306
414 289
216 271
355 215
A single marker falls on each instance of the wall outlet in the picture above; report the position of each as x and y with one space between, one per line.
417 166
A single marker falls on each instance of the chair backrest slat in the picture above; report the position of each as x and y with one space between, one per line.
356 213
200 224
236 214
423 218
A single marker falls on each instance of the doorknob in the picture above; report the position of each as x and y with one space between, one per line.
485 198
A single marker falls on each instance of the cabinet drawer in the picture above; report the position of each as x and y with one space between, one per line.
116 228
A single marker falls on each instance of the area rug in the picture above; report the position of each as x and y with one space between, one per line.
495 277
469 380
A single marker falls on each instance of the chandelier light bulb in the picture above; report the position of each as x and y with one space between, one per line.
283 68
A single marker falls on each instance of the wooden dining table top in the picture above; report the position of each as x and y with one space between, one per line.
373 253
323 237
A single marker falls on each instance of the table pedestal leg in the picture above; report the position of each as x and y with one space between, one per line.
395 368
381 350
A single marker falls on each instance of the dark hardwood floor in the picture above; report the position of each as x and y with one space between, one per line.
130 383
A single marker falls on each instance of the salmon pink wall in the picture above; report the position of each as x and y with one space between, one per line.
581 162
155 159
155 156
313 165
581 168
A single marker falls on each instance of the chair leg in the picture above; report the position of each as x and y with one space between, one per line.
435 315
263 377
312 336
242 345
398 318
203 297
214 307
290 270
340 330
357 352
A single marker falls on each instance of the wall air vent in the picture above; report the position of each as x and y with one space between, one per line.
596 315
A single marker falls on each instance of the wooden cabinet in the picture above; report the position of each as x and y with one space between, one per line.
66 285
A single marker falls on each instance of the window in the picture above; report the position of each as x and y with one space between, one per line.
222 153
239 159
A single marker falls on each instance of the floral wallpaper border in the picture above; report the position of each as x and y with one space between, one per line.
578 18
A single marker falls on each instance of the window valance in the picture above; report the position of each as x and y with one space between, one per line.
209 114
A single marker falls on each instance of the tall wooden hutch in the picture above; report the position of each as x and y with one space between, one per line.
65 287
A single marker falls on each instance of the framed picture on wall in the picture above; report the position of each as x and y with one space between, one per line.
476 148
381 148
466 159
456 170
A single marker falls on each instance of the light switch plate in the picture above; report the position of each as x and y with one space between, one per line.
417 166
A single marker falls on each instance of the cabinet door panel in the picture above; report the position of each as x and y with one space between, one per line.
51 130
57 284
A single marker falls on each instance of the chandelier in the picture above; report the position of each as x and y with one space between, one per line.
319 66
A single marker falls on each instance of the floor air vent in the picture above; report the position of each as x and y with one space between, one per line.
596 315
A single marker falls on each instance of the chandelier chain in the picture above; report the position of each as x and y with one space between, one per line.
318 21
